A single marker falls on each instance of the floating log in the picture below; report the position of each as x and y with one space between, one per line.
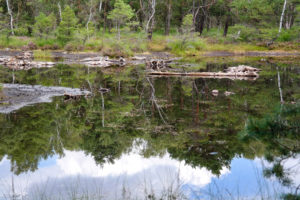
102 61
239 72
204 74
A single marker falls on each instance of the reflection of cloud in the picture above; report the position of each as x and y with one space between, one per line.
75 163
135 169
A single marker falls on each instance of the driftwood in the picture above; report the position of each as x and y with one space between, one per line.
23 61
102 61
157 65
232 72
204 74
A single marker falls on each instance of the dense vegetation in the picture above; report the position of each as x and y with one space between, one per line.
123 27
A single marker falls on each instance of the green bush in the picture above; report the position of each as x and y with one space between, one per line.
50 43
267 34
21 31
183 46
243 33
289 35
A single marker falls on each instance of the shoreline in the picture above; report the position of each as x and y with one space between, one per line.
263 53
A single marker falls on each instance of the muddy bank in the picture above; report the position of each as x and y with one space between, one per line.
16 96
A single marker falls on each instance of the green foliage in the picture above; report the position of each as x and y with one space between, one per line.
38 54
186 46
289 35
121 13
21 31
280 133
255 12
291 197
67 26
44 25
243 33
187 23
49 43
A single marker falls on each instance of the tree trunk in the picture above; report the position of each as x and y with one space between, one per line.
150 30
59 11
281 17
149 27
201 23
168 19
89 19
11 18
226 26
279 86
100 6
203 17
105 16
119 34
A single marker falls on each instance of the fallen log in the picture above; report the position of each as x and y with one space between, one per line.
204 74
239 72
102 61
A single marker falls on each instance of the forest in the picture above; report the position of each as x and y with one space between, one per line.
123 27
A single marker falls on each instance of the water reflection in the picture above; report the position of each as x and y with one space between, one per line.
190 142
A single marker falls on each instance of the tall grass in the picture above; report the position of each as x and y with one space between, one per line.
136 42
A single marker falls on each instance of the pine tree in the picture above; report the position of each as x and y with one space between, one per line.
121 14
44 25
67 25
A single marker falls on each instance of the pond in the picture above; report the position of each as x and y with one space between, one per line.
148 137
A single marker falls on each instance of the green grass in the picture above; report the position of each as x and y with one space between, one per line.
131 43
14 42
40 54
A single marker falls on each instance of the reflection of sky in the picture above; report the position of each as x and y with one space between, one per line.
136 175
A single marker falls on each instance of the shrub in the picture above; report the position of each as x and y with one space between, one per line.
44 25
186 46
49 43
243 33
289 35
21 31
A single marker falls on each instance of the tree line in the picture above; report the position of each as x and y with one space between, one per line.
43 17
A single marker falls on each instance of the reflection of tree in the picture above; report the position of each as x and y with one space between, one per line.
280 133
201 129
28 139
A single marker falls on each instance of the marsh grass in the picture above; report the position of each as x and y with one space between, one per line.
13 42
42 54
130 43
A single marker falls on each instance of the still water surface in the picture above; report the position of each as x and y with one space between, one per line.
153 137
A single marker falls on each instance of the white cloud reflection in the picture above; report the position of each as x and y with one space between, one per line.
138 172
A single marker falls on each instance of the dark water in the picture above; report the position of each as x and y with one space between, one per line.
154 137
